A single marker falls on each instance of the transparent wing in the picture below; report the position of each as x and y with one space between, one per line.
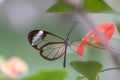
75 33
50 46
74 45
52 51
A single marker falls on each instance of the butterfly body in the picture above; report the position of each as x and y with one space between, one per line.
68 43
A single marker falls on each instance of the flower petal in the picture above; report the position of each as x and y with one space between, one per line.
84 41
19 64
105 29
80 49
13 67
8 70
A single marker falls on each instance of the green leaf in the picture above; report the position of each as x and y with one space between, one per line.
80 77
59 74
88 69
93 6
118 26
96 6
61 6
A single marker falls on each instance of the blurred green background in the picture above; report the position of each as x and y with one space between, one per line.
19 17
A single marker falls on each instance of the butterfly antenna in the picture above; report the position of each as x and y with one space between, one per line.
72 27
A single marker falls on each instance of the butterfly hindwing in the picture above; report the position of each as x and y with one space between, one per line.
52 51
50 46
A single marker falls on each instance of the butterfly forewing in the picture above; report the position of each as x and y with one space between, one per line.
51 46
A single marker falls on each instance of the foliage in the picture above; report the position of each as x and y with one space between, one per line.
94 6
58 74
61 6
88 69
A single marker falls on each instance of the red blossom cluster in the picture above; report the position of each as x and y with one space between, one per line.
100 34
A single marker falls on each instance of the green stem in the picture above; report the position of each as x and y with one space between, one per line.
109 69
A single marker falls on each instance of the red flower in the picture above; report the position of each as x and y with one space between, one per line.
101 33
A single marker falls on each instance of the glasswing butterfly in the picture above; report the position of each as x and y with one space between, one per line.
50 46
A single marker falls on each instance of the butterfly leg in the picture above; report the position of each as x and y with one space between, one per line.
64 62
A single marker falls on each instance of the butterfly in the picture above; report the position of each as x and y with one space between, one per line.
49 45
